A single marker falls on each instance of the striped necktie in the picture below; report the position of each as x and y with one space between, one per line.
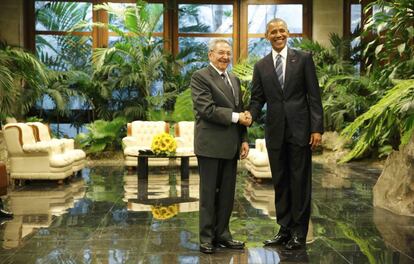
279 69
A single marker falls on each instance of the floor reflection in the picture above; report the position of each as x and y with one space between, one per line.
109 216
36 207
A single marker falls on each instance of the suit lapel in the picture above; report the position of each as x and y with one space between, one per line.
236 89
291 61
271 69
220 84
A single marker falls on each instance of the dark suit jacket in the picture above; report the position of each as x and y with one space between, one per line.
215 135
299 103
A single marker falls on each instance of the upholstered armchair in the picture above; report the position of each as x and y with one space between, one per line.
184 135
42 134
30 159
139 137
257 162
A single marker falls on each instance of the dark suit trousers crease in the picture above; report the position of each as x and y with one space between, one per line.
291 168
217 187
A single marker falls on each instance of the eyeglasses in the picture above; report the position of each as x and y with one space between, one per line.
222 53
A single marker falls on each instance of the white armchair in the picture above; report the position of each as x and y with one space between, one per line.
257 162
184 135
42 134
139 137
34 160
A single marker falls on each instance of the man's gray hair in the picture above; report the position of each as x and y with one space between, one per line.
276 20
214 41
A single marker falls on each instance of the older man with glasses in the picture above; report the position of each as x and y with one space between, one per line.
219 140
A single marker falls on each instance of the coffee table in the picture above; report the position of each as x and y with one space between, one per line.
142 170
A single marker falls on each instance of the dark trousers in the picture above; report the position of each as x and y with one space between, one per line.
291 168
217 187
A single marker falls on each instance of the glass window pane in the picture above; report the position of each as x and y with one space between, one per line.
117 19
116 39
198 58
259 15
64 52
62 16
205 18
355 16
260 47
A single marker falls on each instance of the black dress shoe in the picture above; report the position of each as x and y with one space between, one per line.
295 243
207 248
232 244
5 214
280 239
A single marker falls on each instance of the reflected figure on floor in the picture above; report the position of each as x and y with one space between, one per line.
219 140
286 80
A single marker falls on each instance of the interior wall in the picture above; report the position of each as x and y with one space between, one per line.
11 22
328 17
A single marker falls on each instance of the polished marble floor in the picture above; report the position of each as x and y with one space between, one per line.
108 216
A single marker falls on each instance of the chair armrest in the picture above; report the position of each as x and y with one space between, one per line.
51 147
69 143
129 141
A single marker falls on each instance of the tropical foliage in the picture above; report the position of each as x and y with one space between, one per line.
386 125
102 135
63 52
24 80
389 56
344 92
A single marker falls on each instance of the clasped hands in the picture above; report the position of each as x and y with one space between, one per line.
245 118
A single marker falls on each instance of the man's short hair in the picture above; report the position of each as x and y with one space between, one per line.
214 41
276 20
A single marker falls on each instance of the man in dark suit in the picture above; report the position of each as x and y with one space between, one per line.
286 80
219 140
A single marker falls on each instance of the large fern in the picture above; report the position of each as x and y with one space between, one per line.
102 135
389 121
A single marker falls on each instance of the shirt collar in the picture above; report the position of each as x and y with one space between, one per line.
283 53
217 70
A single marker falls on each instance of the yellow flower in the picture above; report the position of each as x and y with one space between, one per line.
164 212
163 143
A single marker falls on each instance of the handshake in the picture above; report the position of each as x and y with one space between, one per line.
245 118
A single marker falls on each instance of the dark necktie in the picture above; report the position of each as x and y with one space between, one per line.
226 81
279 69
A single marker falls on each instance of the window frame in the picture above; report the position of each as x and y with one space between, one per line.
171 34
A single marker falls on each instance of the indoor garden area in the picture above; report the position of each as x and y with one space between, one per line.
100 130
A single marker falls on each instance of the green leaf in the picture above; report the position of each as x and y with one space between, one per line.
378 49
401 48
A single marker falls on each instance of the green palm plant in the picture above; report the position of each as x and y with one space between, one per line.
244 71
23 80
344 92
389 55
386 125
183 110
63 52
133 67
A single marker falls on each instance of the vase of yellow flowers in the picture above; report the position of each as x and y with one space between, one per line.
163 144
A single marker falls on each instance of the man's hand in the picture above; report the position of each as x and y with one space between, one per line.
315 140
245 118
244 151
